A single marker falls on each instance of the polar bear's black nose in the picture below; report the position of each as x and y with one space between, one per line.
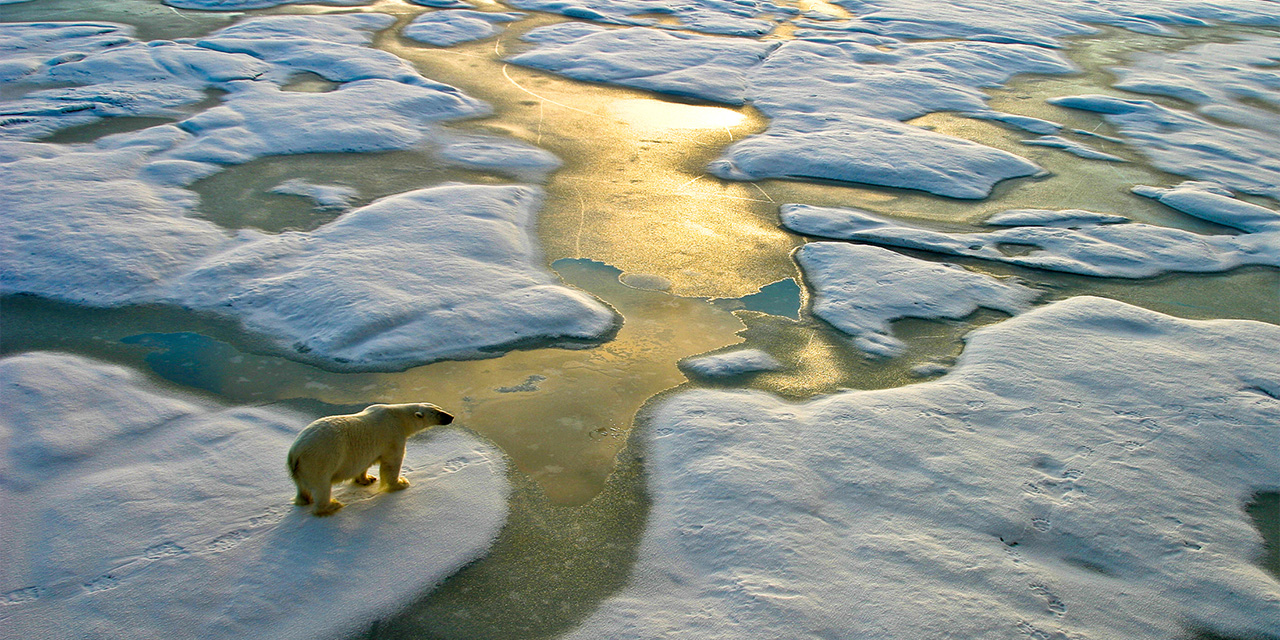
445 418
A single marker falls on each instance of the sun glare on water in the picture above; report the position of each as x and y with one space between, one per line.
658 114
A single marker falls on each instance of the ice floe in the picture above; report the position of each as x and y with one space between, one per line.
447 28
442 272
1079 474
725 17
1185 144
860 289
1073 147
731 364
132 511
242 5
325 196
107 223
1052 218
834 107
1046 23
1077 242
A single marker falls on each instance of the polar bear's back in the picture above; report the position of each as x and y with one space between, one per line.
345 445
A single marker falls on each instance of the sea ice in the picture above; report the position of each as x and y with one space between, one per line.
730 364
325 196
447 28
860 289
1051 218
676 63
725 17
1104 248
242 5
133 511
80 226
871 151
1186 144
442 272
1045 23
1075 148
1079 474
1208 201
834 107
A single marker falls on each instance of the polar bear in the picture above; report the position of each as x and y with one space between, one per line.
338 448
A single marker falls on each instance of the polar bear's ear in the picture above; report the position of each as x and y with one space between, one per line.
417 413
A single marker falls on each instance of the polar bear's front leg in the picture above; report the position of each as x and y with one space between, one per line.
363 479
389 468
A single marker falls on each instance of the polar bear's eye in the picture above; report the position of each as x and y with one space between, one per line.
417 413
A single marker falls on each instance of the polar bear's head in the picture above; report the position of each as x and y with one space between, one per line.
416 416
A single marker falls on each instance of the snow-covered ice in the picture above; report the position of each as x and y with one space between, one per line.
860 289
1209 201
1079 474
325 196
1052 218
1185 144
834 107
133 511
1073 147
447 28
1103 248
731 363
108 223
871 151
725 17
242 5
442 272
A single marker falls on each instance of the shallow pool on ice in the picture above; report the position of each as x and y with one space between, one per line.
134 511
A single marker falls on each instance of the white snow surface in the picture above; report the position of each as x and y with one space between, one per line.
1103 248
730 364
242 5
1209 201
325 196
835 106
442 272
1079 474
1052 218
1046 23
1183 143
108 223
133 511
447 28
860 289
725 17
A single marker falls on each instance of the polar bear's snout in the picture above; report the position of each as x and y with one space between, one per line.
442 417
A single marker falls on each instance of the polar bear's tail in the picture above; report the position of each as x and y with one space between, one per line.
293 465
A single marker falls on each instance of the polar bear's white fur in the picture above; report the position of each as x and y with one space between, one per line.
338 448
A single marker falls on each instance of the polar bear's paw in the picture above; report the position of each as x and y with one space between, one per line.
397 484
329 509
363 480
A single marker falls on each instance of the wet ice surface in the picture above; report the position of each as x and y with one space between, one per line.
1104 248
1025 493
132 511
860 289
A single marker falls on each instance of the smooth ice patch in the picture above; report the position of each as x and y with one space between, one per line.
1052 218
447 28
132 511
1079 474
1104 248
860 289
731 364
